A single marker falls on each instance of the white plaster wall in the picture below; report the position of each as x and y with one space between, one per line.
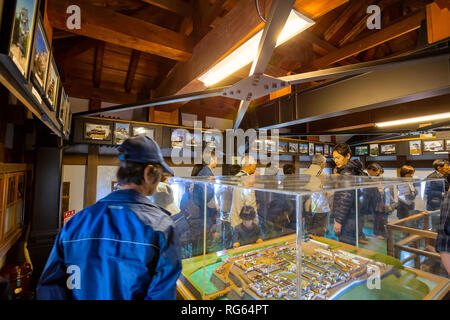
76 175
105 175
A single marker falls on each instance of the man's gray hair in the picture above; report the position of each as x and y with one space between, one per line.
318 159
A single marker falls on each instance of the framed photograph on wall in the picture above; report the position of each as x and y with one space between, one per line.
177 138
193 139
361 150
387 149
52 84
282 147
121 132
97 131
270 145
213 139
303 148
143 131
415 147
447 145
40 57
61 114
22 34
433 146
319 149
311 149
257 145
374 150
326 150
293 147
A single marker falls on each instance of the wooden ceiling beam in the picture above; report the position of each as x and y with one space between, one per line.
78 89
235 28
134 61
398 28
68 48
349 11
112 27
362 23
99 54
179 7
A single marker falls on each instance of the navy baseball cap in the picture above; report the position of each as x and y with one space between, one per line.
142 149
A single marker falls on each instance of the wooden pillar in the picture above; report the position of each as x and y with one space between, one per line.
297 164
90 190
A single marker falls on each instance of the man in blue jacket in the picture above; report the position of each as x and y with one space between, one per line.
123 246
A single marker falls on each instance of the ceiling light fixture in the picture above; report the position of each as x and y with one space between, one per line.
247 52
439 116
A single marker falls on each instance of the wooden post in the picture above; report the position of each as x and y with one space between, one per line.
390 241
90 190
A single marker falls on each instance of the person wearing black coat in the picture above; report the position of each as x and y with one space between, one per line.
344 209
433 190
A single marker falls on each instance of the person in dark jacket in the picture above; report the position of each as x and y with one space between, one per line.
433 189
123 247
406 193
379 202
344 209
247 231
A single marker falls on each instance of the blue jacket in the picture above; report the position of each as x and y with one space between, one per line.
123 246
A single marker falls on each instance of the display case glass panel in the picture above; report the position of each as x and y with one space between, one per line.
302 237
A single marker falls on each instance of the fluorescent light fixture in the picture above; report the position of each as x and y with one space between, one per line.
439 116
246 53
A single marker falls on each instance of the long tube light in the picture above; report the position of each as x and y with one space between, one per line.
247 52
439 116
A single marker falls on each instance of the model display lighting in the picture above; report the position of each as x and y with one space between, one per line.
247 52
439 116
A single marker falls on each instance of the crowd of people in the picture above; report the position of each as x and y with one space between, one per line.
134 239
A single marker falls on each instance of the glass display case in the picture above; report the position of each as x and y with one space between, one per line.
308 237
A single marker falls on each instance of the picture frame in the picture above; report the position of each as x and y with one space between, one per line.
447 145
177 138
374 150
68 123
326 150
270 145
361 150
293 147
257 145
282 147
415 147
96 131
40 57
121 132
303 148
318 149
143 131
22 33
52 84
193 140
431 146
311 149
387 149
61 114
213 139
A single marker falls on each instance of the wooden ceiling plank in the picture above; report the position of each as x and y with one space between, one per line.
362 24
122 30
351 9
98 66
134 61
67 49
179 7
402 26
80 90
